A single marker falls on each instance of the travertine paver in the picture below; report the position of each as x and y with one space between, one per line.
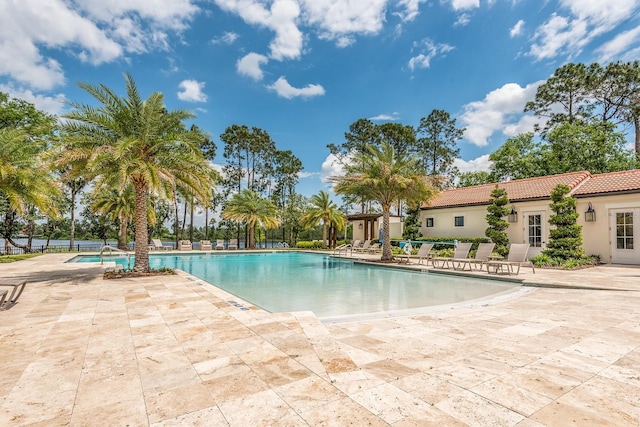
171 350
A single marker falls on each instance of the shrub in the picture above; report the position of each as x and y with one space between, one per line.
496 211
565 240
313 244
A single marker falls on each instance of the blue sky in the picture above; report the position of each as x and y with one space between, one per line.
304 70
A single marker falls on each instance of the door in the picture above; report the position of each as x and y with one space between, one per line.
624 229
535 231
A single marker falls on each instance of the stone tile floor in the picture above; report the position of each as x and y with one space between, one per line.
78 350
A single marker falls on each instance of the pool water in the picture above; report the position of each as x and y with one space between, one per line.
330 287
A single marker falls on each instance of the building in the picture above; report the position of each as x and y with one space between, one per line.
369 226
609 205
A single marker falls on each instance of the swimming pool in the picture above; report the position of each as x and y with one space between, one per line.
330 287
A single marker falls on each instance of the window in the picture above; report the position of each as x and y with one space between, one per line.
624 230
429 222
535 231
458 221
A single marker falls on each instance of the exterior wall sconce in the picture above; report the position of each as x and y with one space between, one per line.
360 226
513 215
590 214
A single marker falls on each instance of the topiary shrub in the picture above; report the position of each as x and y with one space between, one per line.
496 211
565 241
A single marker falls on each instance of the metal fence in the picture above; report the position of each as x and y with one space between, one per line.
53 249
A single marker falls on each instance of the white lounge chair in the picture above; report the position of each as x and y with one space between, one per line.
220 244
157 244
345 247
233 244
460 252
185 245
11 300
205 245
364 247
478 261
517 256
424 253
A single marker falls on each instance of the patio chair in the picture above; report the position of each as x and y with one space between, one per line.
18 286
233 244
461 252
478 261
356 244
375 247
157 244
364 247
185 245
220 244
205 245
517 256
345 247
424 253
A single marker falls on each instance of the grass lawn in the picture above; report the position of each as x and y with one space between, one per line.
12 258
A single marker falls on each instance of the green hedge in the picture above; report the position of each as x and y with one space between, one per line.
314 244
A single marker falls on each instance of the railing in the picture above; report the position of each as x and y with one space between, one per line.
111 249
52 249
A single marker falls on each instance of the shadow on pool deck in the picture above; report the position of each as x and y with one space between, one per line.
167 350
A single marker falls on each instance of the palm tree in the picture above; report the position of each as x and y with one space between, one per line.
385 176
324 210
131 141
247 206
24 179
118 204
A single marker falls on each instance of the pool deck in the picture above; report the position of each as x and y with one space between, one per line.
78 350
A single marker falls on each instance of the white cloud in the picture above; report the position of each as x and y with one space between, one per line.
281 18
585 20
428 50
462 20
481 163
516 30
191 91
249 65
339 20
303 174
51 104
228 37
385 117
285 90
465 4
619 44
330 167
95 32
501 108
411 9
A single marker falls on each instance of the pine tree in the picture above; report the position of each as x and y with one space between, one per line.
496 211
565 241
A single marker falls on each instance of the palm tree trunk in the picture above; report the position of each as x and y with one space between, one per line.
72 231
324 234
252 243
386 244
122 234
141 264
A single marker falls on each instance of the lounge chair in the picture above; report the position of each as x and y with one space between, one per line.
478 261
342 248
461 251
364 247
375 247
157 244
18 286
233 244
220 244
185 245
283 245
205 245
356 244
517 256
424 253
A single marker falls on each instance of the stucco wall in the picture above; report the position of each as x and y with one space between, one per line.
596 235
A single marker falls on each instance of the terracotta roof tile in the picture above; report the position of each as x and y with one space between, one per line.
610 183
518 190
